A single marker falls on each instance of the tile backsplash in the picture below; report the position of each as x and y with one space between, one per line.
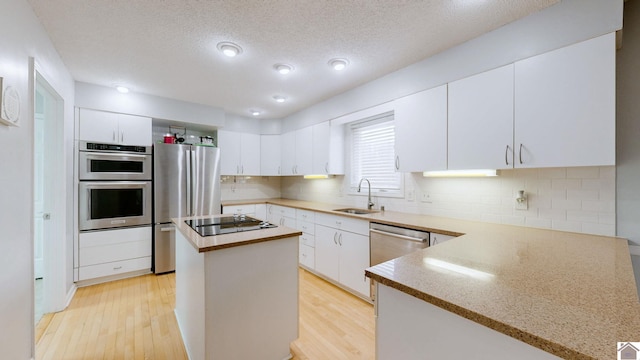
580 199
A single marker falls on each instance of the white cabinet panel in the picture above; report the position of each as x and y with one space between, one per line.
111 252
114 268
328 149
565 106
239 153
481 121
98 126
307 256
270 154
435 239
304 151
342 255
247 209
354 258
421 131
229 144
113 128
250 154
327 252
135 130
288 155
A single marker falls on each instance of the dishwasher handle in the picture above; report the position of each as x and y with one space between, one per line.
398 236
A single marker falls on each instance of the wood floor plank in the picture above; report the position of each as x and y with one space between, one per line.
134 319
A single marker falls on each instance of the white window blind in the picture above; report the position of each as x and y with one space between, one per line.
373 154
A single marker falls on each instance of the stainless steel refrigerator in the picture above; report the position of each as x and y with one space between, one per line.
186 182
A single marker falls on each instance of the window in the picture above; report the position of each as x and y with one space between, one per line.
373 155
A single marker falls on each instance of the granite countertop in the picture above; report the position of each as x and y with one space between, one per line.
219 242
570 294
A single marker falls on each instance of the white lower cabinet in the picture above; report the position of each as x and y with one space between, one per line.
342 255
113 252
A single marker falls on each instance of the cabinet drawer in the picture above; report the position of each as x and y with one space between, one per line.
114 268
282 210
305 215
239 209
307 256
343 223
305 226
308 240
109 246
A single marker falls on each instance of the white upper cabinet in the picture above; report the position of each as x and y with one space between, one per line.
481 121
239 153
565 106
297 152
421 131
288 155
270 154
113 128
304 150
328 149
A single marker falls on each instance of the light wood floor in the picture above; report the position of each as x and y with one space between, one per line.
134 319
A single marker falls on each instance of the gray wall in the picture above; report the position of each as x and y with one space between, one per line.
628 132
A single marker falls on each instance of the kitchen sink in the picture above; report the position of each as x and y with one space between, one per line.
357 211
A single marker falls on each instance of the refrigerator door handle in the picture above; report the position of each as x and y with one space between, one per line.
188 187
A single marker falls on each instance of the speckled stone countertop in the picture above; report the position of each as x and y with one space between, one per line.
570 294
219 242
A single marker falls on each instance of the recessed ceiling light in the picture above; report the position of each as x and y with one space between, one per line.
255 112
338 64
122 89
283 69
279 98
229 49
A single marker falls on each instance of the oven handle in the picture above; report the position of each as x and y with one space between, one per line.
96 155
111 184
398 236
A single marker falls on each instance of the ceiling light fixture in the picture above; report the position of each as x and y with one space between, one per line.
338 64
122 89
279 98
255 112
229 49
283 69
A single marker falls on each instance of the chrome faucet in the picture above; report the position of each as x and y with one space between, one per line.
369 203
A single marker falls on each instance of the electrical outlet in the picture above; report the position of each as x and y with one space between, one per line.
411 195
426 198
521 201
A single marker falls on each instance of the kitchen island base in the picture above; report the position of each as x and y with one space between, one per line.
409 328
239 302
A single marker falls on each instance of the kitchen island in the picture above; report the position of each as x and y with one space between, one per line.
237 294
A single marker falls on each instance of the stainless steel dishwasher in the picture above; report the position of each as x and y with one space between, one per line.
389 242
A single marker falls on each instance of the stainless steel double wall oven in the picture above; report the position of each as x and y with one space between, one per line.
114 185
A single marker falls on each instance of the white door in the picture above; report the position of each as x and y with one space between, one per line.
49 200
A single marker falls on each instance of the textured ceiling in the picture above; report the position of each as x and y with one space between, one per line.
168 47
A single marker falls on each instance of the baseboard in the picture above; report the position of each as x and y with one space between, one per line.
105 279
70 295
634 250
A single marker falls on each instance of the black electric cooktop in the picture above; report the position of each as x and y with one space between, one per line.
227 225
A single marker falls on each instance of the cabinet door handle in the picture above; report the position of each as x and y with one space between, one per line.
334 238
117 268
242 169
122 137
278 170
326 167
340 239
237 169
520 153
114 135
397 162
506 156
